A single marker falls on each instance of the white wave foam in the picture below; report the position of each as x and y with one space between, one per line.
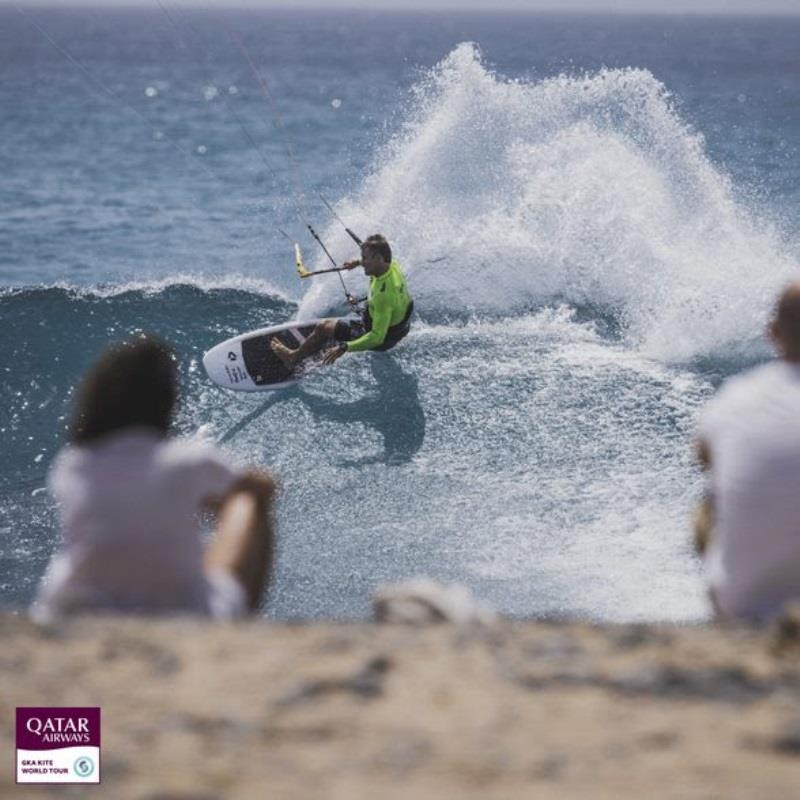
156 286
589 190
547 322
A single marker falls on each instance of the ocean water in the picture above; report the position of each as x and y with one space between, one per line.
594 213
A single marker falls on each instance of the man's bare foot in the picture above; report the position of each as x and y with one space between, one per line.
283 352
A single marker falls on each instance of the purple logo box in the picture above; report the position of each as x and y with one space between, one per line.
50 728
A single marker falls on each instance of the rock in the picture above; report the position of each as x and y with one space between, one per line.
423 601
193 795
638 635
785 632
367 683
723 684
788 740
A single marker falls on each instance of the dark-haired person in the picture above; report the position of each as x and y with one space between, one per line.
386 319
129 497
749 439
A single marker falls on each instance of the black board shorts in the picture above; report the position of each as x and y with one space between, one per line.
350 328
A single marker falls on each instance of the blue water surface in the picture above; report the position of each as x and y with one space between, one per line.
595 213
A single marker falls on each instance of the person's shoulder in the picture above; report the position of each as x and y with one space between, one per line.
190 452
381 282
65 460
72 463
743 389
740 397
396 275
73 457
198 467
68 454
754 379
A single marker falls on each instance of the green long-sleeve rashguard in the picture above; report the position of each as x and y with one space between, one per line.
387 303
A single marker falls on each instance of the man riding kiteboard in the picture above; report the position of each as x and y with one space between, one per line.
385 321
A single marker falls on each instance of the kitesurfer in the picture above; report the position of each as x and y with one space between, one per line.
384 322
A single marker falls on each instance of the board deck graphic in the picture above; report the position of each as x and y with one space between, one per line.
246 362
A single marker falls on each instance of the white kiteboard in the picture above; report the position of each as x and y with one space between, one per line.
246 362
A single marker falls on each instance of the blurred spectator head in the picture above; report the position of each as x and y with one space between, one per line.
785 328
132 384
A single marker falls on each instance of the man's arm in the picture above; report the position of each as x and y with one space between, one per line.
261 485
703 453
704 513
244 545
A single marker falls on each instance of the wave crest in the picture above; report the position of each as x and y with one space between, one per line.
589 189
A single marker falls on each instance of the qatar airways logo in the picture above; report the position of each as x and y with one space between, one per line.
60 730
58 745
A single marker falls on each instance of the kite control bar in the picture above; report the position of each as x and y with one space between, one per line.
304 272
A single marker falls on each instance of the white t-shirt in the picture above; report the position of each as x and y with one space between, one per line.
129 509
752 428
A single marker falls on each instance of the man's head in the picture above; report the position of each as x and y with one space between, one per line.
785 327
376 255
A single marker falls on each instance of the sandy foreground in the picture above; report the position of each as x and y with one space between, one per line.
193 709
